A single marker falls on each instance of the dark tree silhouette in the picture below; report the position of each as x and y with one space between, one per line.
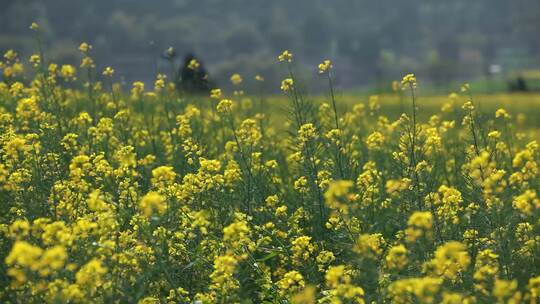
193 80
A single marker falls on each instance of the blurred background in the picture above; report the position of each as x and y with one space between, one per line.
492 42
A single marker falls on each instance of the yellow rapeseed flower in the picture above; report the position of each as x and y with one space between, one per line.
108 72
194 65
236 79
85 47
285 56
419 225
152 203
409 80
325 66
216 94
224 106
287 84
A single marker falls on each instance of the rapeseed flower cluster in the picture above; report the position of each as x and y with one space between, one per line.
114 195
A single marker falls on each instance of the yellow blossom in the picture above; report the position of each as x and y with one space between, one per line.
224 106
215 94
287 84
85 47
325 66
419 225
397 257
194 65
291 282
409 80
91 275
152 203
285 56
108 72
236 79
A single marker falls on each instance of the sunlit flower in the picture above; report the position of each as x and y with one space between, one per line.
85 47
419 225
108 72
325 66
409 80
236 79
501 113
216 93
152 203
259 78
397 257
285 56
194 65
68 72
10 55
224 106
287 84
35 60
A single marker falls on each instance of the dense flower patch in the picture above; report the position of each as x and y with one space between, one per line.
155 197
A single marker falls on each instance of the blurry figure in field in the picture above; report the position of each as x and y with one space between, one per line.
519 85
192 77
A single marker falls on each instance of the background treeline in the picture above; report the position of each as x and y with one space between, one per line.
371 42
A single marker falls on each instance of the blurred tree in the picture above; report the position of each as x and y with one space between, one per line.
193 77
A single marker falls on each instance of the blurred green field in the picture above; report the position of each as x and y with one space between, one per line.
392 105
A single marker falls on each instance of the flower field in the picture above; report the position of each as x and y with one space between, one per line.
146 195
